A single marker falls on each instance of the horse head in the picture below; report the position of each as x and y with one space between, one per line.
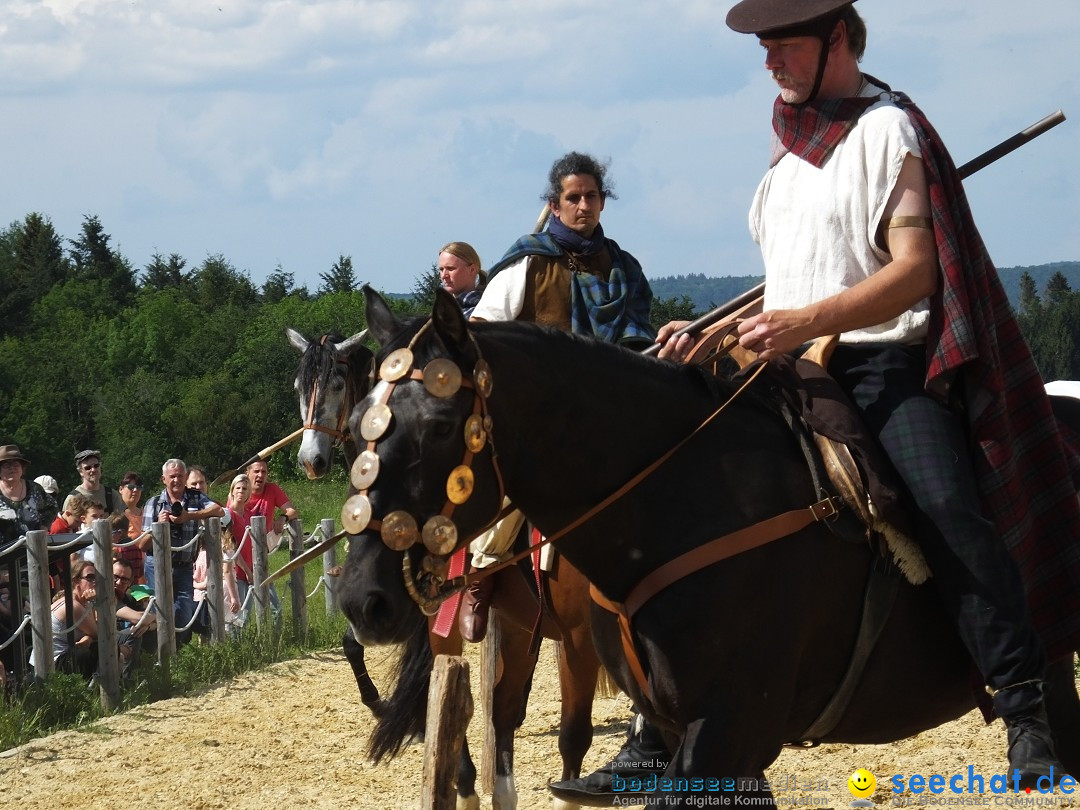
332 377
425 479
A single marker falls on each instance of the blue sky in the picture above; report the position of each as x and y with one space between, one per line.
281 132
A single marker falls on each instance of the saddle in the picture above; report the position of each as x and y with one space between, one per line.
842 457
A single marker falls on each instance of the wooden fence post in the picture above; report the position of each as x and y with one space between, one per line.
163 594
260 571
215 581
108 671
490 649
329 560
296 580
37 569
449 711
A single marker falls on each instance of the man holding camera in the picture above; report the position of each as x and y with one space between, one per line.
181 509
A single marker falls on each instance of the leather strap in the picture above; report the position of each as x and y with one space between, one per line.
696 559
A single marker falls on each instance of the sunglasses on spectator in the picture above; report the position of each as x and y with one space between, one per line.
91 466
89 577
133 487
119 578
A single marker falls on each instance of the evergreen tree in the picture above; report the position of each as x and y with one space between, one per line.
1029 297
665 310
1057 289
341 277
34 264
95 260
165 274
278 284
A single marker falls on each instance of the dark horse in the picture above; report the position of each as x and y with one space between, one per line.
741 656
332 377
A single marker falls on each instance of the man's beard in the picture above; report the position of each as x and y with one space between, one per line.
794 93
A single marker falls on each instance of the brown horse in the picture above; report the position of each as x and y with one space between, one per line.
333 376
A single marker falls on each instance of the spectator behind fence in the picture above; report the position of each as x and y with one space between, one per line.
267 498
70 518
93 511
88 463
180 509
48 483
24 505
81 657
129 613
239 495
196 478
131 490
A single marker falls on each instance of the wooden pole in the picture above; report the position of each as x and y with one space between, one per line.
449 711
259 564
163 594
329 560
490 650
108 672
296 580
215 580
37 569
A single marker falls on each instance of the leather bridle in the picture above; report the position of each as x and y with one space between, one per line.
400 530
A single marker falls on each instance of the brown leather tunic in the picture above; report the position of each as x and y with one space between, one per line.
547 285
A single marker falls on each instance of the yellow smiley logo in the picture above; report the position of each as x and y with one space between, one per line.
861 783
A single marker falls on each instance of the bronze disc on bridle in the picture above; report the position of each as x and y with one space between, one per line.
459 484
475 435
440 535
482 378
399 531
375 422
364 470
356 514
442 377
396 365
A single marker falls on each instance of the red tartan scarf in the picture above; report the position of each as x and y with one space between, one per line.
978 361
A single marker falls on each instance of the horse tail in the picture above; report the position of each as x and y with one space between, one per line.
404 713
605 684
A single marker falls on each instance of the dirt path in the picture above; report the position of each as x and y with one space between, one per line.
294 736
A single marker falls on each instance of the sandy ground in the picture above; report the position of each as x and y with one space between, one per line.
294 736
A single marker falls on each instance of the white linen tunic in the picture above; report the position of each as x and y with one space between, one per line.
816 227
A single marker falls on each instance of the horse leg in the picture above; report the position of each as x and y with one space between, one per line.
354 654
466 780
1063 712
578 670
506 708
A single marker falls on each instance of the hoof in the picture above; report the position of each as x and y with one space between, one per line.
468 802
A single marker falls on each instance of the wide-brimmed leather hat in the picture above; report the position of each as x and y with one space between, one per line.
787 17
11 452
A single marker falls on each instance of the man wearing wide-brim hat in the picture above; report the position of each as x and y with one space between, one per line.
866 232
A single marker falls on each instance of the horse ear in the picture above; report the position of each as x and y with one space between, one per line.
296 339
449 319
350 344
382 323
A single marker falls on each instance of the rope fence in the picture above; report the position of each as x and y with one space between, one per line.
35 631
